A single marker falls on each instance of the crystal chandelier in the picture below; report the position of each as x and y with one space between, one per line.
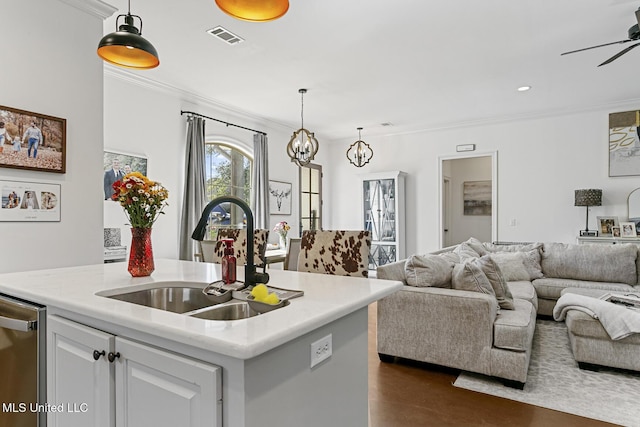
359 153
303 146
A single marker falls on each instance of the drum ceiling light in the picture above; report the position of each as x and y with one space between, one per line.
126 47
254 10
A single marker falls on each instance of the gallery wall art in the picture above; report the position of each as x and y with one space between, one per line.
29 201
624 143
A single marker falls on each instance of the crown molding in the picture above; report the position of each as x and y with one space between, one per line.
146 82
93 7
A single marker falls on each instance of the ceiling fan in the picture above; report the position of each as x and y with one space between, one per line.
634 35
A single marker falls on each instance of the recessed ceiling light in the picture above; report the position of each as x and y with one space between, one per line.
524 88
386 124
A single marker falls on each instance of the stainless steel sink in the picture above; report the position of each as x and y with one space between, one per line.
177 299
233 310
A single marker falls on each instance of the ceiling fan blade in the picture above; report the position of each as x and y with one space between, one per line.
638 16
619 54
594 47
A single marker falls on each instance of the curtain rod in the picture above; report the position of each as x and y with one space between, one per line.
221 121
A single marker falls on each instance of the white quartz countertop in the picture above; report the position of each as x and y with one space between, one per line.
326 298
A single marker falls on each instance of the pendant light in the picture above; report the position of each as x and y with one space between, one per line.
254 10
303 146
359 153
126 47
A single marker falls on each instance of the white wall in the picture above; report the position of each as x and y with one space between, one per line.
50 66
541 161
143 118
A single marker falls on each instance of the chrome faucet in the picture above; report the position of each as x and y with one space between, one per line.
251 276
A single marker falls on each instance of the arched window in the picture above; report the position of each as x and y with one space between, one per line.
227 173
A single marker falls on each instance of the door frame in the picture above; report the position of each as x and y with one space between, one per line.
494 190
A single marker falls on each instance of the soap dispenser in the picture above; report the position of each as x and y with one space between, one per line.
228 263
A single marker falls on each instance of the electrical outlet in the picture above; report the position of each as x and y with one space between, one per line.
321 350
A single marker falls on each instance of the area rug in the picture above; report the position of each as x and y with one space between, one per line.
554 381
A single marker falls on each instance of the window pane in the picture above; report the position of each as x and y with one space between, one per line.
227 173
315 180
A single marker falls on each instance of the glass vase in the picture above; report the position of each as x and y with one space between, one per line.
141 254
283 241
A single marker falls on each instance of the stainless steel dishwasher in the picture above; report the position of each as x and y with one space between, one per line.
22 363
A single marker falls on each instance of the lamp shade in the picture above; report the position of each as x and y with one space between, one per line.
254 10
127 48
588 197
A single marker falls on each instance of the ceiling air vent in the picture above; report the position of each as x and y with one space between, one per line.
225 35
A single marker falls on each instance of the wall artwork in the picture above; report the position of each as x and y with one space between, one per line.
280 198
624 143
477 198
117 165
32 141
29 201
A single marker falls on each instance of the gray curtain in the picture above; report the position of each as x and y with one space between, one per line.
260 181
194 186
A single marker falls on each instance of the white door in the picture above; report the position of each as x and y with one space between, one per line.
161 389
79 377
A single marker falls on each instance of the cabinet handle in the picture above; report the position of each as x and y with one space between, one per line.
97 354
113 356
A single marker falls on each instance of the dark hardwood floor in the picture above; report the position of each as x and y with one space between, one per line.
412 394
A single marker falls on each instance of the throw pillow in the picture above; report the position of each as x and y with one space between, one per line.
465 252
468 276
498 282
428 270
477 246
519 265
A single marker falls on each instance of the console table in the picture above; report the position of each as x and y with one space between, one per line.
608 240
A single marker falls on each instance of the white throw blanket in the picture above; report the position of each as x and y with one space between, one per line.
618 321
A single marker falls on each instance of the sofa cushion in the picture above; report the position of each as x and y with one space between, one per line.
513 329
599 263
519 265
428 270
523 289
498 283
551 288
524 247
468 276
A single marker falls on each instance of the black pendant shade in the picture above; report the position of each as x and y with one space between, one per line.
127 48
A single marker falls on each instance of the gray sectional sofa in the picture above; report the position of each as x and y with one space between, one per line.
453 311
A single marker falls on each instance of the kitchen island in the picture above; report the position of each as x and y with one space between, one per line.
166 366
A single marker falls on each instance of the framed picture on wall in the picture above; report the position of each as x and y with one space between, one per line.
624 143
29 201
476 198
280 198
32 141
117 165
606 224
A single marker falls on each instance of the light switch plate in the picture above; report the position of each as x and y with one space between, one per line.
321 350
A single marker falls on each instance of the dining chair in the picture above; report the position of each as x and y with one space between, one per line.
337 252
213 250
291 257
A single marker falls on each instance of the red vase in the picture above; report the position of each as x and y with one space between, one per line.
141 255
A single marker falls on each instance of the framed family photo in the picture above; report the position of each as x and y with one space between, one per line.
29 201
628 229
606 225
117 165
280 198
624 141
32 141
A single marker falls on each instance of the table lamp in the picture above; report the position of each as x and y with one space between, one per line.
588 197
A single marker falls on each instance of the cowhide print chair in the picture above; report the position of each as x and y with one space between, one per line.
213 250
338 252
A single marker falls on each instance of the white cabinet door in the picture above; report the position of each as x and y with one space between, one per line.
80 382
161 389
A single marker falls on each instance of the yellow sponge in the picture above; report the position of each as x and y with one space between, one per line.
259 292
272 298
